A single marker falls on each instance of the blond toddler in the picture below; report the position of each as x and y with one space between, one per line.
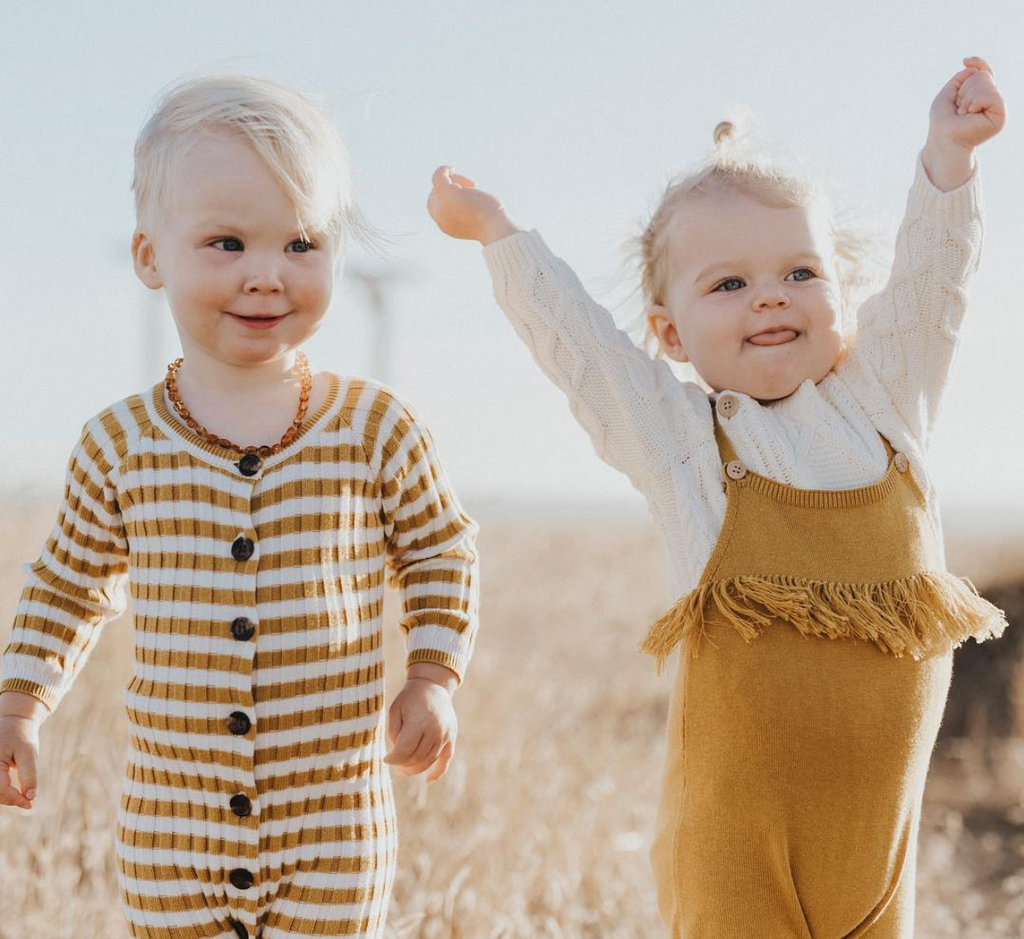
790 486
254 506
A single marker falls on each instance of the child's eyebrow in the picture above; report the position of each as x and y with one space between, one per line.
212 225
711 268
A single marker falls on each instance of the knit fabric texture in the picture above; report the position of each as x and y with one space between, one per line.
874 572
255 791
646 422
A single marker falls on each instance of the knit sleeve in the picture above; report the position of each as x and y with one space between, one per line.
76 585
907 334
431 545
616 391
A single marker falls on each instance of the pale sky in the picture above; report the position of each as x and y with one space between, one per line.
573 113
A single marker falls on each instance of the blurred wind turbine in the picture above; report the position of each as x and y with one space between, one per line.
377 285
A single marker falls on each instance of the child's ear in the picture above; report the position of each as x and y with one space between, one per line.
144 259
668 336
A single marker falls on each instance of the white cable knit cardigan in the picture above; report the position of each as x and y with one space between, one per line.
658 430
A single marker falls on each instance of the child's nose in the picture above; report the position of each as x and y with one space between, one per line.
263 277
771 298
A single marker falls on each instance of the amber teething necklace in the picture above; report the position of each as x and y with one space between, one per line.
264 450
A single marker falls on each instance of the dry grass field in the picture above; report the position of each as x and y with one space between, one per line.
541 827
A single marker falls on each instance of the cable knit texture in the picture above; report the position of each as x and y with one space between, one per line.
255 797
658 430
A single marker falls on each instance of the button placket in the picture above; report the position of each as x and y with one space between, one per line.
249 465
242 628
240 793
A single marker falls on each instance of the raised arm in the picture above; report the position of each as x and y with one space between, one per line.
907 333
632 406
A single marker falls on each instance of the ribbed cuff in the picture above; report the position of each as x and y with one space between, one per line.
440 645
509 255
49 698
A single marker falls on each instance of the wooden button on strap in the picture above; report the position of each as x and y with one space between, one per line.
734 469
901 461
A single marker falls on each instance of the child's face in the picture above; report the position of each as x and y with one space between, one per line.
228 247
736 268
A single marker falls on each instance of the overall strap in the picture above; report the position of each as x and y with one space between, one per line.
889 448
726 452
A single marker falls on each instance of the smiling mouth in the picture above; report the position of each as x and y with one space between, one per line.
258 322
776 337
256 316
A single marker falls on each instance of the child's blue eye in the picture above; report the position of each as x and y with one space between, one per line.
804 270
228 241
301 246
725 289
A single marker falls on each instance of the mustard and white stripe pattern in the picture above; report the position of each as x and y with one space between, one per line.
255 802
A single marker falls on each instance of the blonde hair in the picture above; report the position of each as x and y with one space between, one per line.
295 139
734 167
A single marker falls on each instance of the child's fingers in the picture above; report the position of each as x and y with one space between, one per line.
443 759
25 759
442 177
419 759
424 755
977 94
395 723
960 78
404 748
8 794
446 178
977 62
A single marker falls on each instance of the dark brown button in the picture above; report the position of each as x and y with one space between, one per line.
239 929
241 878
241 805
242 628
242 548
249 465
239 723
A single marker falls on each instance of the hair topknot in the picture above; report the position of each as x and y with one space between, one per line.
723 130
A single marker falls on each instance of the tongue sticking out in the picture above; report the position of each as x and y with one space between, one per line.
773 339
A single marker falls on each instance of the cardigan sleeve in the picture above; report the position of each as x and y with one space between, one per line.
431 546
77 583
907 333
635 409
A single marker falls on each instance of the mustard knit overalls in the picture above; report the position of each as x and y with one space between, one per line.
796 763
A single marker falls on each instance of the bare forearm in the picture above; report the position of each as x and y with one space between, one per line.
948 165
497 227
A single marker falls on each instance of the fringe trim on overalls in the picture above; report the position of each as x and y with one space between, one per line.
915 615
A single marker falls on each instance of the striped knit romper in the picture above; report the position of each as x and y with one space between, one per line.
255 802
817 659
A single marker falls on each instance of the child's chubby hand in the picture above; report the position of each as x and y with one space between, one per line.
422 725
969 109
19 751
463 211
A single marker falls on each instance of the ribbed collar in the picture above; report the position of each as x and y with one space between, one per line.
163 416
